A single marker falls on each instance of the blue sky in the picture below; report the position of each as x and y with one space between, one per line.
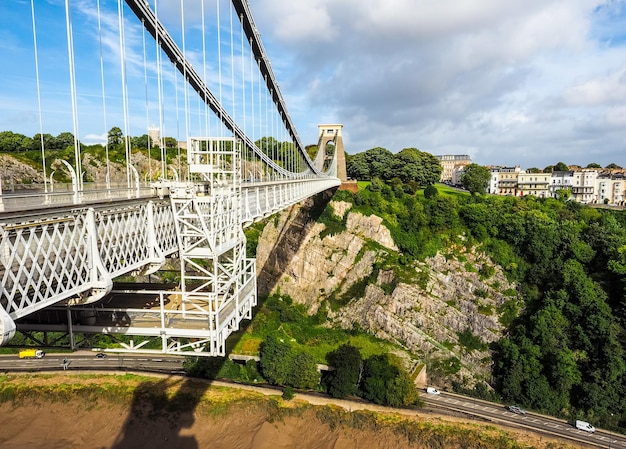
528 82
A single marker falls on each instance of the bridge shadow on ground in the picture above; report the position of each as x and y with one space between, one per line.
158 419
163 411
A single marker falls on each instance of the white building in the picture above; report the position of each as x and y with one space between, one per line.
561 180
493 182
584 186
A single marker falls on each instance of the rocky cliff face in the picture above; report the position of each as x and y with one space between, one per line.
444 312
13 171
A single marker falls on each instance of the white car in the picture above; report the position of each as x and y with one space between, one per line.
432 390
516 409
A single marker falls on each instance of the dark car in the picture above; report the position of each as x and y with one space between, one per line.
101 355
516 409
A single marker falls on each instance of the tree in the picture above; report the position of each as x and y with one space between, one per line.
357 167
533 170
280 365
276 360
115 137
402 391
387 384
48 142
64 140
561 166
304 372
563 194
379 161
613 166
311 150
11 142
373 163
476 178
348 363
378 373
141 143
288 393
170 143
593 165
442 212
618 265
411 164
430 191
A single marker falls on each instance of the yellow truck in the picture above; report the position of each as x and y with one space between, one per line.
31 353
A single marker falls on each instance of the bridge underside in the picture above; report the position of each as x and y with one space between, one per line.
147 320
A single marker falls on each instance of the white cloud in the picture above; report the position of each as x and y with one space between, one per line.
607 90
512 78
91 139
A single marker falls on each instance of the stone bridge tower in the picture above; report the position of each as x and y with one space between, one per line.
329 136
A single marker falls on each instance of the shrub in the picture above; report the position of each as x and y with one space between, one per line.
288 393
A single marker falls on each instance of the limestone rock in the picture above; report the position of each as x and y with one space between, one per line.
449 297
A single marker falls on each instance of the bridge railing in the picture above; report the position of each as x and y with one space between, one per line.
33 197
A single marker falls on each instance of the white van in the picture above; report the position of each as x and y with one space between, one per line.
584 425
432 390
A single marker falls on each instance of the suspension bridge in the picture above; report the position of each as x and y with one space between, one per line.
138 73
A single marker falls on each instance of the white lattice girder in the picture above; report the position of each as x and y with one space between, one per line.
73 255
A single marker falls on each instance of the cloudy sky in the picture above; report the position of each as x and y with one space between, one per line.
528 82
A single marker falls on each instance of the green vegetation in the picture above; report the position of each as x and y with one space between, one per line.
291 343
563 352
281 365
344 380
279 317
386 383
471 342
409 166
565 347
253 232
476 179
334 224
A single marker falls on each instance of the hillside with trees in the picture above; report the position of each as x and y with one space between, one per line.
564 352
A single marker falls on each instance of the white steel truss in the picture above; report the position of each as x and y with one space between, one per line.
73 255
53 264
217 279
